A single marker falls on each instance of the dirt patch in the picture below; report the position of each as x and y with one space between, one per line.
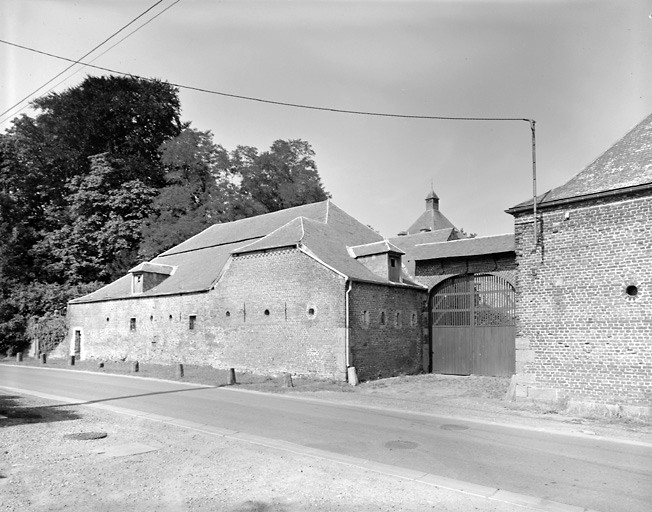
148 466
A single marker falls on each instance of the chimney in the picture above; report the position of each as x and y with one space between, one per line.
432 201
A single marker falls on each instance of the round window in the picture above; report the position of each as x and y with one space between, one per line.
631 290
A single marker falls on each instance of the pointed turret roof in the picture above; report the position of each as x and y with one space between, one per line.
432 219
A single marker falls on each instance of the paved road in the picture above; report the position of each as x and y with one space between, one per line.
582 471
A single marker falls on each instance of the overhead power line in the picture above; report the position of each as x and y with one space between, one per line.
272 102
106 51
79 61
531 122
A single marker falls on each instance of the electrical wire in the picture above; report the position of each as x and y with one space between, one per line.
104 52
273 102
78 61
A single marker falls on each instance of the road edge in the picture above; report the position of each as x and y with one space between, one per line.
489 493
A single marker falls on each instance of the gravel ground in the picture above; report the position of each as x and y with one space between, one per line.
149 466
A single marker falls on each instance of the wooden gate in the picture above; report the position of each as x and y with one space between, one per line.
472 326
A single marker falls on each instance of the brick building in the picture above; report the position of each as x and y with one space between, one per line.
584 285
469 326
307 290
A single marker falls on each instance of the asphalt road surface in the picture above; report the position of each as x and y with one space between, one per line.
588 472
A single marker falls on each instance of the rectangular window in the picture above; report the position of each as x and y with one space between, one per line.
132 324
192 320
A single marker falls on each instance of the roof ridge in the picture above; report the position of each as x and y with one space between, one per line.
464 239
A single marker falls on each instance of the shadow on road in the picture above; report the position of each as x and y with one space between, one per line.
15 413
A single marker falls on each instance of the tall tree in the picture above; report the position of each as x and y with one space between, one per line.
201 190
100 225
282 177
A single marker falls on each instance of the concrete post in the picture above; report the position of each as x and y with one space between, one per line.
72 360
44 358
135 368
231 378
352 376
179 372
287 381
19 357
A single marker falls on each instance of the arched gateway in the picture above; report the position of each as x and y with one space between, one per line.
473 326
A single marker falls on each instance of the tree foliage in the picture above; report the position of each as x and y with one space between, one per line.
106 174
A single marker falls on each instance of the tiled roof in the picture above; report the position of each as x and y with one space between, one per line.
408 242
628 163
465 247
252 227
381 247
153 268
432 220
325 243
322 228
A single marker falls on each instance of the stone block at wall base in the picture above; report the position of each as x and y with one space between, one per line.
522 343
543 394
609 410
524 356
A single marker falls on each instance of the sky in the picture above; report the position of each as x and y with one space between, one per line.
581 69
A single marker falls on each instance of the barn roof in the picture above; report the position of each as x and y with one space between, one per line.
626 164
465 247
430 220
321 229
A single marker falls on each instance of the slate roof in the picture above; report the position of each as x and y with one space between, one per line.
327 244
153 268
465 247
407 243
432 220
321 229
382 247
628 163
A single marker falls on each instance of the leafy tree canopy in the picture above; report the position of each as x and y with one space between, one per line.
106 174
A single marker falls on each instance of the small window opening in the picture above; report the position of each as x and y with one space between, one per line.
383 318
366 318
228 313
632 290
132 324
170 318
392 261
192 321
151 318
311 311
413 320
267 312
397 320
107 318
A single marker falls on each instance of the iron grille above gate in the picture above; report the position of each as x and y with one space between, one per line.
474 300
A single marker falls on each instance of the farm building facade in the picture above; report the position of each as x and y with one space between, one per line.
307 290
312 291
584 283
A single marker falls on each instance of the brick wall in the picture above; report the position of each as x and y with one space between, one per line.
385 330
432 272
303 331
580 336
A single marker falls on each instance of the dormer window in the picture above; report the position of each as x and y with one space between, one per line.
394 270
148 275
382 258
